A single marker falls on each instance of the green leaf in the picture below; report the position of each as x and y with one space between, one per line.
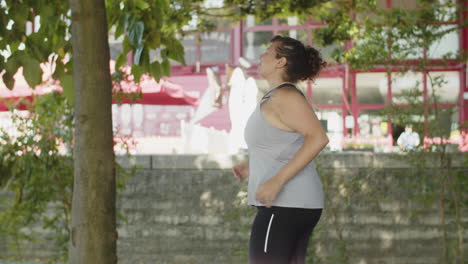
69 65
120 29
166 67
141 4
8 80
67 84
130 21
31 71
59 69
40 49
19 15
137 56
2 62
13 63
14 46
145 59
139 30
156 71
137 72
46 10
175 50
153 40
126 45
158 14
121 60
135 33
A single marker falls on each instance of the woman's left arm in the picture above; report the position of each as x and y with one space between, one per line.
295 113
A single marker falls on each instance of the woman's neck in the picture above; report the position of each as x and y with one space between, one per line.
274 82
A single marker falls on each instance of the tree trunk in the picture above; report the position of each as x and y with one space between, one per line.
93 223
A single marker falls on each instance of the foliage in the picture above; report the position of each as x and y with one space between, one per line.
391 38
264 9
36 166
144 26
379 36
386 37
37 32
441 187
406 33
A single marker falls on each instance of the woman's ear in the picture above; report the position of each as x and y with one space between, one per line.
281 62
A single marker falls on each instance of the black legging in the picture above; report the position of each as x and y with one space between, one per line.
280 235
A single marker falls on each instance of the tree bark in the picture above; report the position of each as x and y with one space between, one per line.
93 224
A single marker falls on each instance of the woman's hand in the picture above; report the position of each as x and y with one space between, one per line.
268 191
241 170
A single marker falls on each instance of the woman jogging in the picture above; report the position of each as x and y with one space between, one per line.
284 136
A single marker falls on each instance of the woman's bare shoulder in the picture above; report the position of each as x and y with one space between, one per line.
287 94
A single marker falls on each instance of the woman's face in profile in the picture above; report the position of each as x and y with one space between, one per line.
267 61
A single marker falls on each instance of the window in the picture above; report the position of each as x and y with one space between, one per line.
372 123
300 34
293 21
327 91
407 87
255 43
190 48
446 86
115 49
115 45
332 121
251 21
215 46
371 88
406 47
447 46
443 122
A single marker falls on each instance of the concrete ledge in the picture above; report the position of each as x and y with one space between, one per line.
141 161
200 162
324 160
344 160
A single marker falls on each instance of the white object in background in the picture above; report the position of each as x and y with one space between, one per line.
335 123
197 139
115 117
194 138
336 140
250 98
249 47
126 119
206 105
138 115
242 102
244 63
349 121
235 104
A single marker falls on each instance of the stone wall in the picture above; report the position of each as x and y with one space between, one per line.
190 210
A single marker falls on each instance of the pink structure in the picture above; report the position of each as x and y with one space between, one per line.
346 99
352 104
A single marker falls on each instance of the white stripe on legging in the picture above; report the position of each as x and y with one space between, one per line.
268 233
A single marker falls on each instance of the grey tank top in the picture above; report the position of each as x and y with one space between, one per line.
271 148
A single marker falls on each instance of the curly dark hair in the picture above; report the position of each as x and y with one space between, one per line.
303 62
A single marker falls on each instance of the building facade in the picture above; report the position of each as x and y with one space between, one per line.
348 101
